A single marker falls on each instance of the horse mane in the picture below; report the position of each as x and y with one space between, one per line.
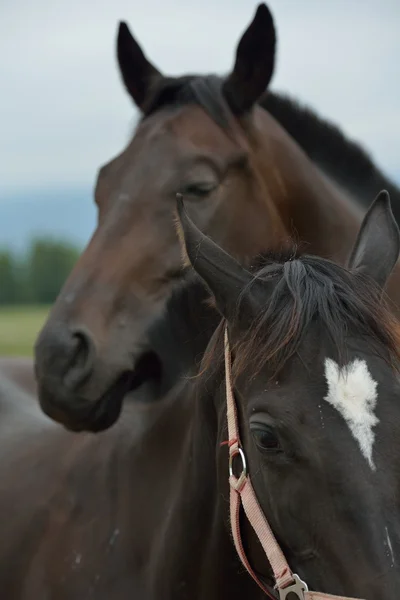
345 161
309 289
203 90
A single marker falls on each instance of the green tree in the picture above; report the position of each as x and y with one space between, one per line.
48 265
8 278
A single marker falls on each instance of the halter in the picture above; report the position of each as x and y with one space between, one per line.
242 492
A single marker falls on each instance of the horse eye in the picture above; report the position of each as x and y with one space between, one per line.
200 189
265 438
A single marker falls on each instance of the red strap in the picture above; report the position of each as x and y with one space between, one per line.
235 525
282 573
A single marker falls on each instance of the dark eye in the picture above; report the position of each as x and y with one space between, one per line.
200 189
265 438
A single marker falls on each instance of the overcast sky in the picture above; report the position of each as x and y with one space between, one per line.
64 111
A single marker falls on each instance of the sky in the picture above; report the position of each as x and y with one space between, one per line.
64 112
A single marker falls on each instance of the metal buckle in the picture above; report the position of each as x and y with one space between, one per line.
243 459
297 588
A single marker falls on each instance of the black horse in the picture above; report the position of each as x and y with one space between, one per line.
315 378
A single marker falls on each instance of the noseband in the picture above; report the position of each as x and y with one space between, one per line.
287 584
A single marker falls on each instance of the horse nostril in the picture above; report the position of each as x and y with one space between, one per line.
82 358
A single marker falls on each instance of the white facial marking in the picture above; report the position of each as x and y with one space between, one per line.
352 391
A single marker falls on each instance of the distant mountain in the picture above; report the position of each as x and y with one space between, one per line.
69 214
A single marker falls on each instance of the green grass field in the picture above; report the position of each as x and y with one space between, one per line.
19 326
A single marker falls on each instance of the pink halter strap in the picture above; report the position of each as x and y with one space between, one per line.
242 493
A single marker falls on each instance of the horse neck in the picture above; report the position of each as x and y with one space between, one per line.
343 160
181 335
195 554
313 209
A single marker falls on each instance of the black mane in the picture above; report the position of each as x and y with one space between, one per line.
309 288
205 91
345 161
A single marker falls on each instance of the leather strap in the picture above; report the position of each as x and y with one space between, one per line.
242 494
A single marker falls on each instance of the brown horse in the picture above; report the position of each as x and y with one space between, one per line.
248 184
19 370
72 530
18 385
140 511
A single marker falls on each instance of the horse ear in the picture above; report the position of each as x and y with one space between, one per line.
254 65
377 247
224 276
137 72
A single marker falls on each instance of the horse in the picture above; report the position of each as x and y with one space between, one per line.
117 515
17 385
70 532
310 405
20 371
247 183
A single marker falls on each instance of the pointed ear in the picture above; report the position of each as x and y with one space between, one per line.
254 66
137 72
224 276
377 247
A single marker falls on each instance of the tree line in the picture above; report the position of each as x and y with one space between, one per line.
38 275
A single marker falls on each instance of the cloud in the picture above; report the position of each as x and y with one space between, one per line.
64 111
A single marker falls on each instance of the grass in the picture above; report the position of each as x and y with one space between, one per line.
19 326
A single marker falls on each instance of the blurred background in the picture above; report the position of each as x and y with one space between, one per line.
64 111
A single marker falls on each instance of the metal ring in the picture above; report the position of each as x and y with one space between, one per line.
298 588
243 459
